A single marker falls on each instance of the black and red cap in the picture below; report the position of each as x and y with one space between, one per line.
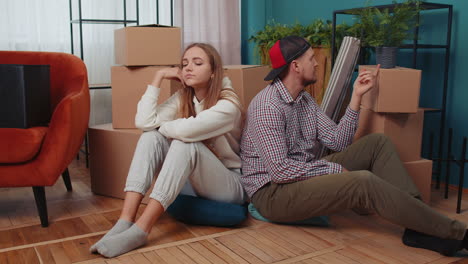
283 52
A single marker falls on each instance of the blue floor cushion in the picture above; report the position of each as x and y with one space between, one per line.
317 221
200 211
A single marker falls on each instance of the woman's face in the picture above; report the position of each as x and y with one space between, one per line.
196 68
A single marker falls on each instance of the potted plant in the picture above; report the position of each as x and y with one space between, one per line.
386 29
318 34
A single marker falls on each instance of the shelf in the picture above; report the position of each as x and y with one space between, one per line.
431 110
415 46
418 46
103 21
80 21
424 5
424 46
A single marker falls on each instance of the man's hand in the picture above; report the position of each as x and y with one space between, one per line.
364 82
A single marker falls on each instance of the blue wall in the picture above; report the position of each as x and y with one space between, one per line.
255 15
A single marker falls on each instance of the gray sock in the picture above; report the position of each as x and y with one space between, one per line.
123 242
118 228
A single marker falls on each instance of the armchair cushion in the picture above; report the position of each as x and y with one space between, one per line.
20 145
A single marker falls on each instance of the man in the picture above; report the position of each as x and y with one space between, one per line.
285 181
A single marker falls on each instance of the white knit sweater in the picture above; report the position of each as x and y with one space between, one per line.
222 122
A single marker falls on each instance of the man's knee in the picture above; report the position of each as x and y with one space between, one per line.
378 140
364 177
378 137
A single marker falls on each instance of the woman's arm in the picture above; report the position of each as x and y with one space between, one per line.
209 123
150 115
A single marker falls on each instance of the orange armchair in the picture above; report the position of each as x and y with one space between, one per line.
37 156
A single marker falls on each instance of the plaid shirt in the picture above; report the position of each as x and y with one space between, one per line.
280 134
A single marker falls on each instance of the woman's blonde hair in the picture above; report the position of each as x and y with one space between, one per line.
216 91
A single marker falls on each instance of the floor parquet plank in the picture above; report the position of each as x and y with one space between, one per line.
228 253
54 253
450 260
292 238
196 256
114 261
288 244
128 259
358 256
139 258
5 221
227 258
76 250
274 245
230 243
153 258
21 256
206 253
180 255
306 238
11 238
334 258
97 222
169 232
167 256
310 261
265 246
394 247
375 252
205 230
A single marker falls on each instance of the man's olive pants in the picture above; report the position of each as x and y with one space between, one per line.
376 181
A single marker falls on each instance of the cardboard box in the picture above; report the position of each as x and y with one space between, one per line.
24 95
405 130
421 173
147 45
110 155
247 80
128 85
397 90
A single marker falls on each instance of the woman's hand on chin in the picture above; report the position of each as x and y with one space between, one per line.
172 73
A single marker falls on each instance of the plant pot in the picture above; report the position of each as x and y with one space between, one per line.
386 56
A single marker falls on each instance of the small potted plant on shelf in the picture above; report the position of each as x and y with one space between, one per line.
386 29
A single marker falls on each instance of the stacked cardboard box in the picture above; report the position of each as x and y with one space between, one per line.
111 152
247 80
392 108
142 51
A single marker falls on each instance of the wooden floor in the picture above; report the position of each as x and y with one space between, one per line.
80 218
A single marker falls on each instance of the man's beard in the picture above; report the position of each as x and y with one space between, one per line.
309 82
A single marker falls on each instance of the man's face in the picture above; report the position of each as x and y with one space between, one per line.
308 64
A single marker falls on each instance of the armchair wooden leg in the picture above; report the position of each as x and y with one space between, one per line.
66 180
39 196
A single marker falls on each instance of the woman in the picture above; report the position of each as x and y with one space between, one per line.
193 136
